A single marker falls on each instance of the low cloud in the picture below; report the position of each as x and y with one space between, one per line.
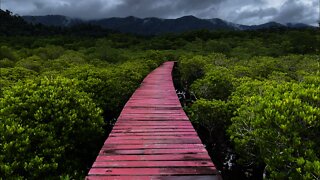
238 11
298 11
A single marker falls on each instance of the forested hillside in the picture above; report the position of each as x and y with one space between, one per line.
253 96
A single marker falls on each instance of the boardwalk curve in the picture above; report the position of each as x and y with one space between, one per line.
153 138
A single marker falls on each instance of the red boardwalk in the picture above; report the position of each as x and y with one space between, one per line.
153 138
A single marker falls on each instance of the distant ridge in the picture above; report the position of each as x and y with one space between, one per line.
154 26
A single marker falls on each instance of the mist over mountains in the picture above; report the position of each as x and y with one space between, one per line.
154 26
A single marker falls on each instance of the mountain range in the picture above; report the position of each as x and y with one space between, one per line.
154 26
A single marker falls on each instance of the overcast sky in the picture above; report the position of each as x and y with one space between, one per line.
238 11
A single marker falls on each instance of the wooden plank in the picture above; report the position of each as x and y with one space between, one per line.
153 146
174 104
160 107
162 157
154 112
154 116
189 177
154 101
163 121
153 95
154 171
163 106
120 138
151 130
157 123
152 119
122 177
152 151
152 127
132 122
152 134
157 118
156 141
128 164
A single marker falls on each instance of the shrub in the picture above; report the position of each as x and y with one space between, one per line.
5 63
216 84
192 68
33 63
9 76
311 80
240 71
111 87
213 116
157 57
263 66
217 46
279 77
6 52
195 67
278 125
65 61
47 127
93 81
49 52
105 52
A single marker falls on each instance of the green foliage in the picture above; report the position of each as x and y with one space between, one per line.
279 76
107 85
110 87
105 52
311 80
263 66
10 76
192 68
303 42
6 52
48 127
49 52
33 63
216 84
158 57
5 63
250 48
218 46
213 116
240 71
67 60
279 126
247 89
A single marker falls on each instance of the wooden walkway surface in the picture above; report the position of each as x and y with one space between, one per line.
153 138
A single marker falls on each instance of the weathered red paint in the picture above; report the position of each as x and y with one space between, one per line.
152 134
152 127
153 138
152 130
154 171
157 157
152 151
152 146
156 141
129 164
157 123
173 177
